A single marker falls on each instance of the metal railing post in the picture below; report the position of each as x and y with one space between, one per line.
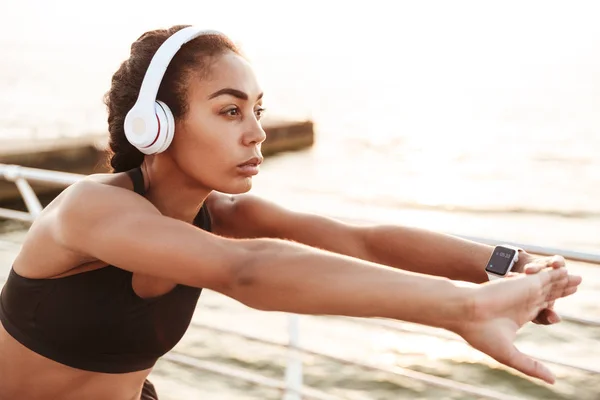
31 200
293 371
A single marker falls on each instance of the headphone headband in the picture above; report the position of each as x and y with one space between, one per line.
161 60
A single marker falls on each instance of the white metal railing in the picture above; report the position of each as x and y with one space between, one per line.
292 385
21 176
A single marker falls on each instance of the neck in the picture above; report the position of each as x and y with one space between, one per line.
171 191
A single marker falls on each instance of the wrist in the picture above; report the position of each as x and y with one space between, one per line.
460 306
524 259
504 260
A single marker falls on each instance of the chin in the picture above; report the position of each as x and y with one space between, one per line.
237 187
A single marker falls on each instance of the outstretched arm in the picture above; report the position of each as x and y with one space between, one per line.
412 249
409 248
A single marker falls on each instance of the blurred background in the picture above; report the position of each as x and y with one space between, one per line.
470 117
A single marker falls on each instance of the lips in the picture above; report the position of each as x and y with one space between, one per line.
254 161
250 167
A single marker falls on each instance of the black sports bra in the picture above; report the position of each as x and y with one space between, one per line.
94 320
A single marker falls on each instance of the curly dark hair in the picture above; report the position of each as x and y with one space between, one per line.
193 58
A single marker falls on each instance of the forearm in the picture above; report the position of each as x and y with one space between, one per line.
428 252
289 277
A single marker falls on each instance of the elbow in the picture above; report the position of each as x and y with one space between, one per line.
370 240
242 274
242 280
242 256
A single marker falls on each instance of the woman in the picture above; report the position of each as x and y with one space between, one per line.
110 273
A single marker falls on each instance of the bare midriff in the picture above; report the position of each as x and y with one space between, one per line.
26 375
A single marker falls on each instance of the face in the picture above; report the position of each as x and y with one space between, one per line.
217 143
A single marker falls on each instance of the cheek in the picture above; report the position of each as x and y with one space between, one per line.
203 147
198 152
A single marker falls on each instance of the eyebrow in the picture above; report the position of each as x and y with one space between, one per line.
233 92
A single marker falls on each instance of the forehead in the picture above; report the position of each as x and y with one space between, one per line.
226 71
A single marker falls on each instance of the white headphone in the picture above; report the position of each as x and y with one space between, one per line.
149 125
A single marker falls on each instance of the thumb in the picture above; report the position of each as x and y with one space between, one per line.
533 268
528 365
547 317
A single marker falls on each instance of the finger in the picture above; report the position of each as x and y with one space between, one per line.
535 312
569 291
559 292
533 268
552 276
542 318
529 366
557 261
547 262
547 317
574 280
552 317
537 265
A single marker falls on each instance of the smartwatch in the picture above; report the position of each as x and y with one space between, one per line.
502 261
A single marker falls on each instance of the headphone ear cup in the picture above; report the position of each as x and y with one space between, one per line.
167 126
141 129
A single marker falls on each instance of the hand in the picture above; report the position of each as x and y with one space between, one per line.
500 308
530 264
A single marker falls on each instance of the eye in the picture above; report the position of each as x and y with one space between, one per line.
259 112
231 112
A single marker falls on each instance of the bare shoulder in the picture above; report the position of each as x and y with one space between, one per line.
99 194
94 203
248 215
241 215
82 204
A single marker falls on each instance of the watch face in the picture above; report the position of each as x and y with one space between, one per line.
500 260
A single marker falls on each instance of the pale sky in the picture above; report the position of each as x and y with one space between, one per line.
516 49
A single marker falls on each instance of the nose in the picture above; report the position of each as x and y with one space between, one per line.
254 135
